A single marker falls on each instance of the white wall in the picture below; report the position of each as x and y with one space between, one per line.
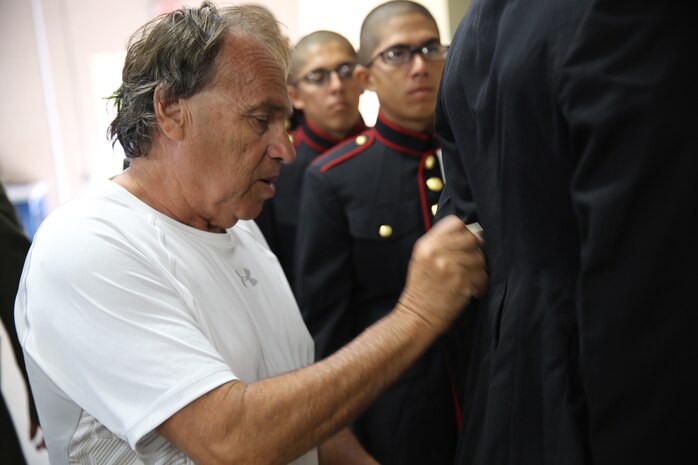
345 17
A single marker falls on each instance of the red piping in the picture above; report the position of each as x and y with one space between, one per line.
311 143
422 194
399 148
393 126
321 133
349 154
454 394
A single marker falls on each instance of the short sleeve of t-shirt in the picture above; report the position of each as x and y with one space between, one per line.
108 325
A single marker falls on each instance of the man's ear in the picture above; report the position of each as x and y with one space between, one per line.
296 100
364 78
168 114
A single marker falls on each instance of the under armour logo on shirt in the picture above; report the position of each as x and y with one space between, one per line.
246 277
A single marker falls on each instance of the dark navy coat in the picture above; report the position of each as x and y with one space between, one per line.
567 131
364 204
279 217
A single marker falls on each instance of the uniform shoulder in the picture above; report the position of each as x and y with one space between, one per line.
345 150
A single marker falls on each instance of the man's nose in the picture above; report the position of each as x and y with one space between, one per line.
334 81
282 148
418 62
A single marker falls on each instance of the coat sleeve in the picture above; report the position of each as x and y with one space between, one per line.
456 198
324 277
628 93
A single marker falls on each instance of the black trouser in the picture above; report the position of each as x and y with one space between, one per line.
10 450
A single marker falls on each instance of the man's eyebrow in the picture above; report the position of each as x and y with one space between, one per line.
324 68
426 42
272 106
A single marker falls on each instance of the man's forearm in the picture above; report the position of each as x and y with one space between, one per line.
280 418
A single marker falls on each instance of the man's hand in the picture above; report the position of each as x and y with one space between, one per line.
447 268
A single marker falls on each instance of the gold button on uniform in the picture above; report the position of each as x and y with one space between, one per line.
430 162
361 140
290 137
385 231
434 208
435 184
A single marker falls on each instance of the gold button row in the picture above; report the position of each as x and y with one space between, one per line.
435 184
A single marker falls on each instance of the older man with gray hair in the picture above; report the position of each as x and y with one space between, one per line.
156 324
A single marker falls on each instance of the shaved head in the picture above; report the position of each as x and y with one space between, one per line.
372 28
300 53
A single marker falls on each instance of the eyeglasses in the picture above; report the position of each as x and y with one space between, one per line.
321 76
398 55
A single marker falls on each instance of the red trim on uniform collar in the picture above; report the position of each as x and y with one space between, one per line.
320 133
302 136
395 127
398 147
403 140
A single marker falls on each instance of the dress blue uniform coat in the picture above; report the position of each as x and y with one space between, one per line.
279 217
566 129
364 204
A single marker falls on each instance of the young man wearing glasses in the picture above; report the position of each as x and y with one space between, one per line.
321 86
364 204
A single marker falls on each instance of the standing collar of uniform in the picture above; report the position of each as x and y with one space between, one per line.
404 140
320 141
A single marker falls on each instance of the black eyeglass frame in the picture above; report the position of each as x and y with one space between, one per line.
344 71
411 50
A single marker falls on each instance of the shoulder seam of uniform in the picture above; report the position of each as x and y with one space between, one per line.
350 154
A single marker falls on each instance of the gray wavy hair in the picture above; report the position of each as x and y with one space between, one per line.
175 54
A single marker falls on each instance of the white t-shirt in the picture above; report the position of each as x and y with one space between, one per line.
127 315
